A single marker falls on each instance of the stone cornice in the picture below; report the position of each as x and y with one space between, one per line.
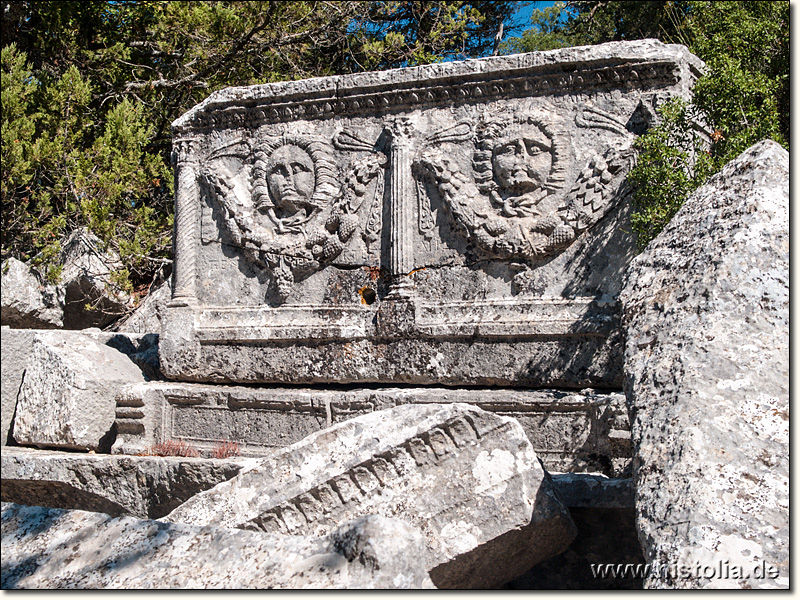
644 63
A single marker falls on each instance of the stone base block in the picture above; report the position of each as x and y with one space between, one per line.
535 343
570 431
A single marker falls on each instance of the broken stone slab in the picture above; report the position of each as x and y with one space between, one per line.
707 363
86 280
152 486
139 486
45 548
467 478
27 302
17 346
584 430
146 317
67 397
411 251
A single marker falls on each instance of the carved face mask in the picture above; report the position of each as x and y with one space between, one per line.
290 178
521 163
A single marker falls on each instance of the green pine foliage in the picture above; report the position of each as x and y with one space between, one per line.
546 32
90 88
742 98
672 163
63 169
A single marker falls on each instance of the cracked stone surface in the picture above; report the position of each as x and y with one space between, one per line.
46 548
467 478
706 310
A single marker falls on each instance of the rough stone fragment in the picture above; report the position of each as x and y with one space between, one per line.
460 223
15 348
17 345
67 397
468 479
139 486
86 279
707 364
27 302
47 548
146 319
575 431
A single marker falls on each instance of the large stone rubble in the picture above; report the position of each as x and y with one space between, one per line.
153 486
468 479
27 301
83 296
64 397
147 487
707 362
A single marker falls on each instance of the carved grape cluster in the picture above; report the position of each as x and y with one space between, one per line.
362 174
327 243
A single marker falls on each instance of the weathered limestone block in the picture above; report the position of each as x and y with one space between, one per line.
46 548
67 397
17 346
707 364
86 279
459 223
569 431
27 302
146 318
139 486
468 479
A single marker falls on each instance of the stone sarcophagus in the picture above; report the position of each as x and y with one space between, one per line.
459 223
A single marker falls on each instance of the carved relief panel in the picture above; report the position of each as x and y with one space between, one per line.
500 185
289 205
484 196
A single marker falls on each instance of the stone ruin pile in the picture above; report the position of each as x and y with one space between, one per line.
402 298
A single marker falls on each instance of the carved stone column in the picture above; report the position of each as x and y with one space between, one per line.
401 199
187 223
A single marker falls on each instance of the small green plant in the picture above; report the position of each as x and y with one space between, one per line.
674 160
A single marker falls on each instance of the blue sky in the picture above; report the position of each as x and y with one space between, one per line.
523 16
